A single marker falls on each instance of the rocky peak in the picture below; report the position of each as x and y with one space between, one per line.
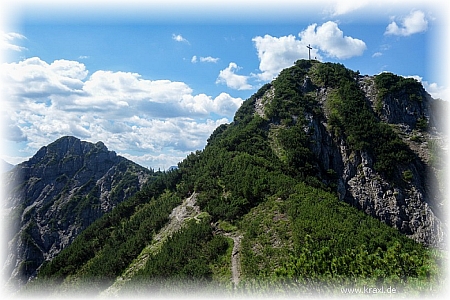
67 155
57 193
403 101
407 199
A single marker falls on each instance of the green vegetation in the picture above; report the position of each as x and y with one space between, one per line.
390 86
407 175
106 247
388 83
268 239
185 257
313 241
297 235
351 118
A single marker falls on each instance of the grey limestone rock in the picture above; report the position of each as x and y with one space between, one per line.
56 194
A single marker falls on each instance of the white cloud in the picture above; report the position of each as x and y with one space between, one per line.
11 132
161 159
277 53
7 39
415 22
223 104
162 119
331 40
436 91
232 80
179 38
377 54
36 79
344 7
207 59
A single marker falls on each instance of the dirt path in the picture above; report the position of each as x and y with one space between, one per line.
180 214
235 257
236 260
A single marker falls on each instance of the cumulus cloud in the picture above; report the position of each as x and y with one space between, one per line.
36 79
233 80
331 40
277 53
223 104
7 41
12 132
127 112
415 22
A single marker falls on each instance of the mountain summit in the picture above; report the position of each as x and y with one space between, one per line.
324 179
59 192
374 139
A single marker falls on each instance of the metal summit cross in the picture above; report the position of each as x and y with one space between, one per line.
309 51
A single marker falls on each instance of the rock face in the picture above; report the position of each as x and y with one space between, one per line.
56 194
414 204
411 202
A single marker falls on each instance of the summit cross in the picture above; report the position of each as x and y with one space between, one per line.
309 51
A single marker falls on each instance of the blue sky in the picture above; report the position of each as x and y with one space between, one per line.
153 79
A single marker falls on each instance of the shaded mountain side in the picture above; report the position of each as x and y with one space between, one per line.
56 194
327 178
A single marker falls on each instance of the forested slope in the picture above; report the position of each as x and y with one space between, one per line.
321 184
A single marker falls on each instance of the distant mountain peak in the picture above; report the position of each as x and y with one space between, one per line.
69 145
60 191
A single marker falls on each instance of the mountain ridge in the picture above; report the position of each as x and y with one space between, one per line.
316 175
